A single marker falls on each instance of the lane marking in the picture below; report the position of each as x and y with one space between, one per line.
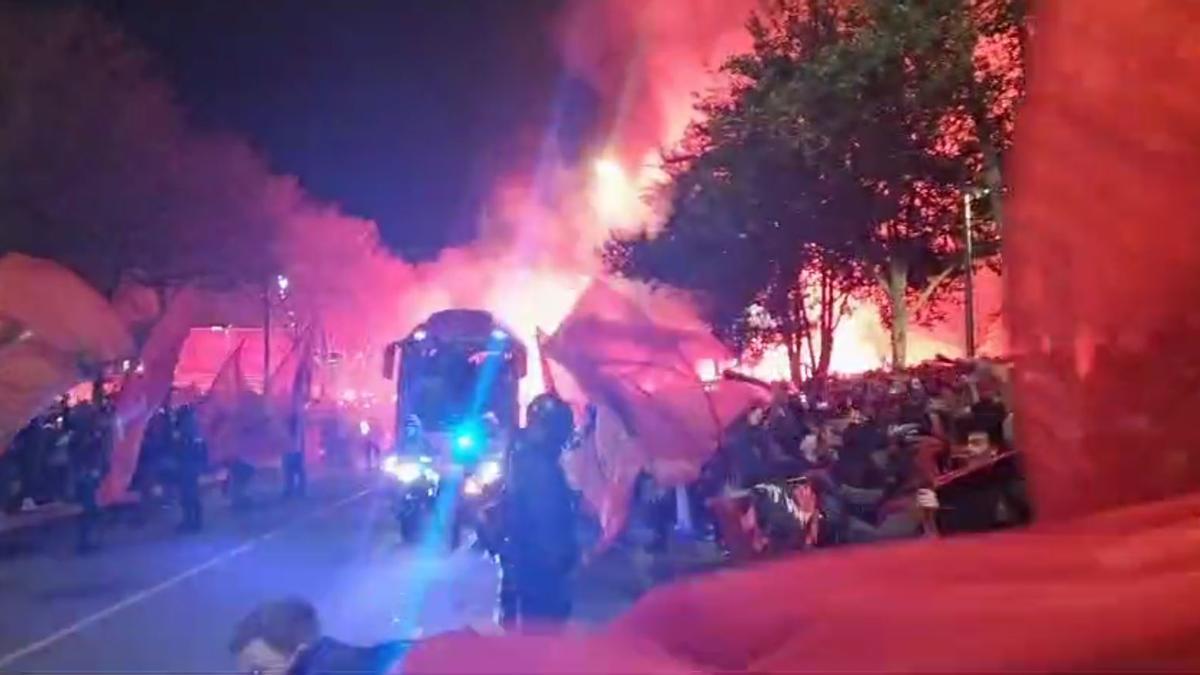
140 596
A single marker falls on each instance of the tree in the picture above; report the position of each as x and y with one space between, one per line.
100 171
744 230
847 137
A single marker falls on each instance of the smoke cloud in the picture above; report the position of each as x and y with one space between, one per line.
646 61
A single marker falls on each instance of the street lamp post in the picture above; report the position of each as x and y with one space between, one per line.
281 283
969 266
266 339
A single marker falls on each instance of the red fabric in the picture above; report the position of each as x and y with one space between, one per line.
141 394
656 413
1103 254
604 469
544 363
235 421
1103 296
51 323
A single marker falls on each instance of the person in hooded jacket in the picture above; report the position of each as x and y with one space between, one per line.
542 548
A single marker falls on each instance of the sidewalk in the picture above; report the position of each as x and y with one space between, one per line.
55 511
58 511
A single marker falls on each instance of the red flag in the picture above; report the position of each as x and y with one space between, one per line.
51 324
641 374
235 419
142 393
544 363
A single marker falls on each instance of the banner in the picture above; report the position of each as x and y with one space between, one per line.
55 330
654 413
145 389
237 422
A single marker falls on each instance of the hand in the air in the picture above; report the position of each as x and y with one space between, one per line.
927 499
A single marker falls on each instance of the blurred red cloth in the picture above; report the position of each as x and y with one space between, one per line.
1104 308
236 421
142 393
634 354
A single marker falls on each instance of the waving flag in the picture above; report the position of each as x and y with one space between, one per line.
655 414
54 331
143 391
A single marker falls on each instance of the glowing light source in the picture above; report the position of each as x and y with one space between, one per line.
468 443
364 428
614 195
283 283
608 168
419 334
489 472
403 471
498 334
464 440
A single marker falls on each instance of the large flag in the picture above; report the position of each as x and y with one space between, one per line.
291 386
1103 253
55 331
237 422
145 389
634 354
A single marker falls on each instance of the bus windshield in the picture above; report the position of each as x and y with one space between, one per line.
454 385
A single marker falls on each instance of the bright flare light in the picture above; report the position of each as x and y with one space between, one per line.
614 196
608 168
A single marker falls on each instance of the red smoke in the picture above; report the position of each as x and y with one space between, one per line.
539 235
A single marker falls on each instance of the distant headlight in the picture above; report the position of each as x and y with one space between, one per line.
488 472
407 471
472 488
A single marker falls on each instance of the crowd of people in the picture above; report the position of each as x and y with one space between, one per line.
63 455
880 456
924 452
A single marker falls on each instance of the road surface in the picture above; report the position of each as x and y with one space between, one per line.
155 601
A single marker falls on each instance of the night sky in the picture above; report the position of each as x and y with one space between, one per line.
403 111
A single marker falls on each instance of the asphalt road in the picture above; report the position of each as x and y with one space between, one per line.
155 601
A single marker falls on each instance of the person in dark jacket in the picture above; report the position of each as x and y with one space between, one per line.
987 491
189 451
284 638
295 476
88 450
542 548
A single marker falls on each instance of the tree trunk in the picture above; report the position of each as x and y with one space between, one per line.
897 282
791 341
799 310
794 366
828 321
